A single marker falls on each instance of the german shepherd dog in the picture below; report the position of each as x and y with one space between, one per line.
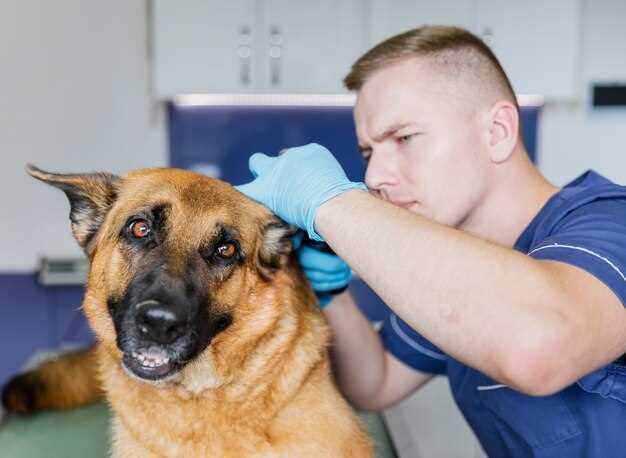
210 342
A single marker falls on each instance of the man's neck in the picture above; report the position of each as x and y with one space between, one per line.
517 194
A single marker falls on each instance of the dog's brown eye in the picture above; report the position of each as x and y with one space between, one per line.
227 250
139 229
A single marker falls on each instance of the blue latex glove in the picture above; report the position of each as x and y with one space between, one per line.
295 184
325 271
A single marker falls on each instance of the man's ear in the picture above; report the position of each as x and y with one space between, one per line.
275 247
91 195
504 131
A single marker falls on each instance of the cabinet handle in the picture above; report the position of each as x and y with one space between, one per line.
275 53
244 51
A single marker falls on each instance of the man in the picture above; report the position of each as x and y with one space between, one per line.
512 288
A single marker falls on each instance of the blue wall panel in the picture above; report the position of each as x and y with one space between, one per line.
34 317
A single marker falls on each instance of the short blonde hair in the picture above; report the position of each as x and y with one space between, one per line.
455 51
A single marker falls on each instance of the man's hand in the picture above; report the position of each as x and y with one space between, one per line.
327 272
294 184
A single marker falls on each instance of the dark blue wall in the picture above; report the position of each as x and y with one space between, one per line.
34 317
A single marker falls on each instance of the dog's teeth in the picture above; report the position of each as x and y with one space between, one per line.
152 357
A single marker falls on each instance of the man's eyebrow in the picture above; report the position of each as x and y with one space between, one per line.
387 132
393 128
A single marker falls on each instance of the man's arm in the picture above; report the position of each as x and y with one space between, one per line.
370 377
536 326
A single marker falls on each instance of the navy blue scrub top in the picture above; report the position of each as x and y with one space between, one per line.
584 224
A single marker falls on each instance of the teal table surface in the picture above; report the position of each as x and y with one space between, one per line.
84 432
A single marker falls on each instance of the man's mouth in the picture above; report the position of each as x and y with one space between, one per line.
405 205
152 363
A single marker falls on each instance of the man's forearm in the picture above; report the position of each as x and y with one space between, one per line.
357 352
474 299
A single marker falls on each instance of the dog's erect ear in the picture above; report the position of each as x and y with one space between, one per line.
91 196
275 247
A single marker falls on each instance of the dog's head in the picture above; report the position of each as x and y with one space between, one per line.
177 261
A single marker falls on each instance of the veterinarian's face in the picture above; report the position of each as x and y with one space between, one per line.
422 143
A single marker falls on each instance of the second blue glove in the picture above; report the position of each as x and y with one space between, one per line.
327 273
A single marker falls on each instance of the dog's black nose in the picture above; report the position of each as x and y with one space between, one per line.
159 323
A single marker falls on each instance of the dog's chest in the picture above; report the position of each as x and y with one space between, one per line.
165 436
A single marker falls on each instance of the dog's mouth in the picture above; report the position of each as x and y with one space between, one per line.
158 338
152 363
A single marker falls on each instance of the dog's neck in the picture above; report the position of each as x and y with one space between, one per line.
238 390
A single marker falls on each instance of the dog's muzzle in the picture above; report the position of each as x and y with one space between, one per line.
158 339
163 322
159 329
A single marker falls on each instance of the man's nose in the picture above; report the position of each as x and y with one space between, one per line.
379 173
159 323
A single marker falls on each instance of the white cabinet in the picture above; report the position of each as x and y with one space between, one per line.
389 18
261 46
537 42
304 47
310 47
203 46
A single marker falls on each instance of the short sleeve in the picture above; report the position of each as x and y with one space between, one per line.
593 238
410 347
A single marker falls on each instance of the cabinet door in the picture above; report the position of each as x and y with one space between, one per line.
388 18
536 42
203 46
308 47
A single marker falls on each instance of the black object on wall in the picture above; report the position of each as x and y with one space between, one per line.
609 95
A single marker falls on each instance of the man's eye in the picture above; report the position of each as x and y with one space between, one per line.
406 138
139 229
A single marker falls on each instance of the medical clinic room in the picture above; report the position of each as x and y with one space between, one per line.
313 229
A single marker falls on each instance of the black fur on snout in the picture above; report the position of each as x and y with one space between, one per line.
168 312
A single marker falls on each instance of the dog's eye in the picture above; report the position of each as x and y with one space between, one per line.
139 229
227 250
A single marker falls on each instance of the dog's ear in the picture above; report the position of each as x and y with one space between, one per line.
91 196
275 247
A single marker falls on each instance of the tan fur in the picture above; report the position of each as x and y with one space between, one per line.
64 382
263 387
